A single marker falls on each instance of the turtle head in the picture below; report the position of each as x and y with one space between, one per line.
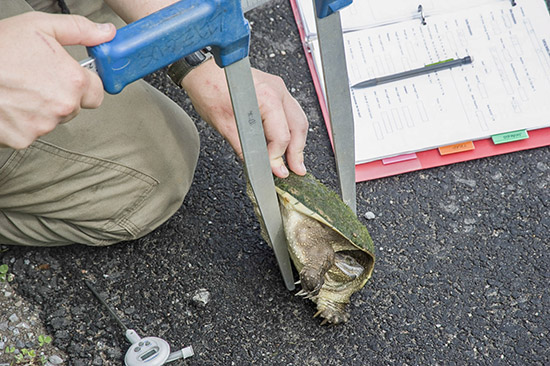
350 270
349 267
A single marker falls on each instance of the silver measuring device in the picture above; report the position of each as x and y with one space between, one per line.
147 351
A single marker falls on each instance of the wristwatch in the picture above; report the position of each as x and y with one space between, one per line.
179 69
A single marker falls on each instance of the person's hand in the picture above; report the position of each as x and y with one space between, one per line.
284 122
41 85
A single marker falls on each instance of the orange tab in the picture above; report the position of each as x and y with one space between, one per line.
456 148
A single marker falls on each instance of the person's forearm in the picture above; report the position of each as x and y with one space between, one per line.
132 10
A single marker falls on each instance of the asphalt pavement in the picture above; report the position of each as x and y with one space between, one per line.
462 273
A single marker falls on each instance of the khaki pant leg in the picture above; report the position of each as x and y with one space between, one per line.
111 174
95 10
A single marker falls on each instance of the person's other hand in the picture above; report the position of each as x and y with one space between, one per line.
284 122
41 85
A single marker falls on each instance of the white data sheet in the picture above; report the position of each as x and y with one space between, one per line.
363 14
506 88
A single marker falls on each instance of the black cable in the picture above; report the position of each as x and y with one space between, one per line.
114 315
64 8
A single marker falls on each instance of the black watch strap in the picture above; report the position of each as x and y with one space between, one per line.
179 69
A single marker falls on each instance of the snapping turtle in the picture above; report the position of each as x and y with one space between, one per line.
330 248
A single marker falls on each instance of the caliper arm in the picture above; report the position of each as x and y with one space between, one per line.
333 60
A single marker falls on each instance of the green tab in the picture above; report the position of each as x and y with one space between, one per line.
502 138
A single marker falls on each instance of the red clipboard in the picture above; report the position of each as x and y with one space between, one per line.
421 159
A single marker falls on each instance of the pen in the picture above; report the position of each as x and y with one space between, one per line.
442 65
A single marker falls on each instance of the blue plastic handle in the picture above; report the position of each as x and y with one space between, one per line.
326 7
161 38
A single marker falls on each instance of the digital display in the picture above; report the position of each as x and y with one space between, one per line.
148 354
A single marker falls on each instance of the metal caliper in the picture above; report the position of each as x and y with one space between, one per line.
331 46
176 31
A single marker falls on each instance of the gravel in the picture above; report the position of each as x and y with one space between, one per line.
21 327
462 272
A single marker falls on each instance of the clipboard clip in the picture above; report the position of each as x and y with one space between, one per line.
421 12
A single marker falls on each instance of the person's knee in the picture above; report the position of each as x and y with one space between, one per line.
174 172
167 150
168 195
155 206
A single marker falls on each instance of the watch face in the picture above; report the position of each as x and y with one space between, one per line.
179 69
195 59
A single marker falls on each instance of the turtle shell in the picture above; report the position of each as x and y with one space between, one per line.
314 199
310 197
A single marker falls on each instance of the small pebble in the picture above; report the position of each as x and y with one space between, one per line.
370 215
13 318
55 360
451 208
542 166
470 221
469 182
23 325
201 297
